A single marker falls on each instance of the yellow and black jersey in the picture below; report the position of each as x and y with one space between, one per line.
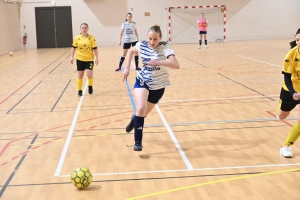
291 65
85 46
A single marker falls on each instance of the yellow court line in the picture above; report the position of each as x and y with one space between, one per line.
101 135
213 182
13 59
122 133
81 137
38 143
15 147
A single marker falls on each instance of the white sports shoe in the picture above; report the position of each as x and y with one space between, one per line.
199 47
286 151
206 46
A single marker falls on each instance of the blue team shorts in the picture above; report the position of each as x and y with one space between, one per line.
154 95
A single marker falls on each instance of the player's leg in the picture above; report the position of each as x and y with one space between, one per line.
136 57
287 103
126 46
153 98
200 40
80 70
141 95
205 40
90 74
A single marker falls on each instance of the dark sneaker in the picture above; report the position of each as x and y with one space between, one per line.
130 126
118 69
90 89
79 92
137 147
137 68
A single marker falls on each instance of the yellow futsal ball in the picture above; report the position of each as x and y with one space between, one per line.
11 53
81 177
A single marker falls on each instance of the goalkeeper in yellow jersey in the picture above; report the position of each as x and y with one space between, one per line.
290 94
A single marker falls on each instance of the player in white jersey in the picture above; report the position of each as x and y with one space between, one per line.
129 30
150 83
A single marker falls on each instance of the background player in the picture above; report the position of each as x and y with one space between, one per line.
202 26
86 56
129 30
289 95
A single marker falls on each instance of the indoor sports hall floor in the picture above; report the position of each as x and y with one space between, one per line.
213 136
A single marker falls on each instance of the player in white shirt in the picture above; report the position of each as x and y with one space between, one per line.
129 30
150 83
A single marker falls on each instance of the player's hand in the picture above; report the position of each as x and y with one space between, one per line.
296 96
120 43
72 60
96 61
154 62
126 74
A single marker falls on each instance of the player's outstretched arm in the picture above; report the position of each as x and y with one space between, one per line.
131 53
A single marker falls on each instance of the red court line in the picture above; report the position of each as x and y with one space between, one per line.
7 145
26 152
29 80
89 120
15 157
280 120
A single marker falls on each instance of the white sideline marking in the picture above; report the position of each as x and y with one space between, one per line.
184 157
197 169
68 140
217 99
259 61
186 160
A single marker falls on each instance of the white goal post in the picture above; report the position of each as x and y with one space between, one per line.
183 28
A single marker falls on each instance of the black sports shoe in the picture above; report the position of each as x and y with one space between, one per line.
79 92
130 126
137 147
90 89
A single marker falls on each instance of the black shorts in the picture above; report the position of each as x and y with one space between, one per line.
202 32
154 95
83 65
128 45
287 103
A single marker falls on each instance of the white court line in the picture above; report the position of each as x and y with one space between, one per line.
259 61
185 159
68 140
197 169
217 99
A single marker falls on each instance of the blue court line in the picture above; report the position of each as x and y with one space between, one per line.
129 92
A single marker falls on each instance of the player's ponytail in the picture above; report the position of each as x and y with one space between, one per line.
156 28
126 16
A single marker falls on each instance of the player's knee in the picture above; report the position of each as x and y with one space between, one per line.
281 116
142 110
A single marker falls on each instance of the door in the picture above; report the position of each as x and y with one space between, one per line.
53 27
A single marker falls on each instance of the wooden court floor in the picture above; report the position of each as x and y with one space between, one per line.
213 135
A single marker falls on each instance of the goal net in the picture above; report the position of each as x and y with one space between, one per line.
183 27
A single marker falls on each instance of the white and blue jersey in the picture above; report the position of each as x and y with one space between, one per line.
129 32
155 77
